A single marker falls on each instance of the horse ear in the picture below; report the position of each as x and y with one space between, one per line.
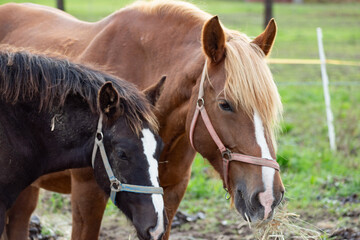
109 101
266 39
213 40
153 92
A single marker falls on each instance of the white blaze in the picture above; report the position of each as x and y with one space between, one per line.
266 198
149 144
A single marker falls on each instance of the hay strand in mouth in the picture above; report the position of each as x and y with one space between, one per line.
247 220
286 225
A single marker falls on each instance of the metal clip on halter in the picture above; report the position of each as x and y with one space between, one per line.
99 136
115 185
227 194
200 103
226 154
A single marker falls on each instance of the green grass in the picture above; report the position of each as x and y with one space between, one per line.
313 176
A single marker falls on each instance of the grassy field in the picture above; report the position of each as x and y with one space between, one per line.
317 181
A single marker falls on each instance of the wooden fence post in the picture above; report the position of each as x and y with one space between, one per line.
60 4
268 12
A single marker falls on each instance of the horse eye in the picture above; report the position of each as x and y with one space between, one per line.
122 155
224 105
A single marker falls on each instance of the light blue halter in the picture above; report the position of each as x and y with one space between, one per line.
115 184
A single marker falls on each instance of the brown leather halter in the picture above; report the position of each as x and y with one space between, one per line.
226 154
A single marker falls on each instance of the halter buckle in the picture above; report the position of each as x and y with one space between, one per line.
226 154
115 185
200 103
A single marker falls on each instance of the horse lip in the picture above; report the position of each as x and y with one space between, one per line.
244 211
240 206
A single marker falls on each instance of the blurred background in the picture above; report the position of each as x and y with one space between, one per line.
322 186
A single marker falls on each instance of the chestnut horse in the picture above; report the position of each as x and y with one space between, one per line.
56 115
207 67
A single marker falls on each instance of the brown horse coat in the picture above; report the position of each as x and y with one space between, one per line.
140 43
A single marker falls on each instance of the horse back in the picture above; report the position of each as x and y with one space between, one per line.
44 29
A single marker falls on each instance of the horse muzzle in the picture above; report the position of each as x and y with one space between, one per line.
253 208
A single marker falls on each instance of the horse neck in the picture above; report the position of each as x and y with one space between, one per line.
60 138
32 149
170 48
157 46
73 129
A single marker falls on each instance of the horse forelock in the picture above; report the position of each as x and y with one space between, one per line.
137 110
28 77
249 82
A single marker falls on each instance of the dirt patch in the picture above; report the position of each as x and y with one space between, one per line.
345 233
116 227
217 224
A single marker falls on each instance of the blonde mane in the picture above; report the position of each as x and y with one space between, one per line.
249 82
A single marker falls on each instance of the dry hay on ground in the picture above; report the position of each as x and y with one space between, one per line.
286 225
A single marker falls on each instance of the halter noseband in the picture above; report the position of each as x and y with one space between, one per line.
115 184
226 154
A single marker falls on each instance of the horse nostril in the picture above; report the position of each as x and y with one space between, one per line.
281 197
239 192
255 200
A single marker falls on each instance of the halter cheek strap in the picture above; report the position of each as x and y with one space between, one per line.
226 154
115 184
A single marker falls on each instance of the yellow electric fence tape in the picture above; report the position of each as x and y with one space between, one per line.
311 61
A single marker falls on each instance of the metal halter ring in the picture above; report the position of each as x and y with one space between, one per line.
115 185
226 154
200 103
227 194
99 136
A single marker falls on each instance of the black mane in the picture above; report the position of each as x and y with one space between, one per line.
26 77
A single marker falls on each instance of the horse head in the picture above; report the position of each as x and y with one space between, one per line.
132 151
237 108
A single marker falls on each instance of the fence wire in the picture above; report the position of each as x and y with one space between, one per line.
314 62
355 83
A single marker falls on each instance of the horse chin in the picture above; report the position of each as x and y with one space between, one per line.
141 237
148 238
